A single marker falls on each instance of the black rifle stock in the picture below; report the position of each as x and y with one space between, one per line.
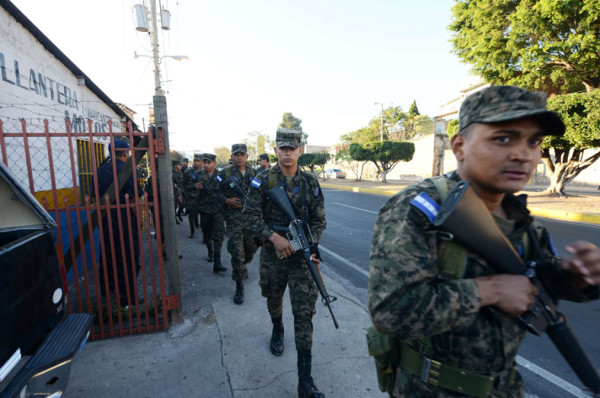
297 237
471 224
239 192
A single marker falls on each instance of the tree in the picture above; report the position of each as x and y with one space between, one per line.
581 114
413 110
223 155
387 154
361 136
545 45
359 153
175 155
452 128
289 121
257 143
307 160
320 159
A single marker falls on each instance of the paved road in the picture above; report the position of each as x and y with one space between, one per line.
346 242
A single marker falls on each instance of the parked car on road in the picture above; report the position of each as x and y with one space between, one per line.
36 332
335 173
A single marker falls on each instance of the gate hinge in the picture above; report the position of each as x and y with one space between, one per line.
159 145
172 302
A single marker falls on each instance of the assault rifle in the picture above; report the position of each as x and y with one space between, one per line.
237 190
297 236
464 216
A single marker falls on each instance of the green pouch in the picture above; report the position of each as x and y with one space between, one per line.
383 350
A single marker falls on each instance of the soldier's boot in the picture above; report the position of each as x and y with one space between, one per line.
238 296
217 264
306 385
209 246
277 336
192 230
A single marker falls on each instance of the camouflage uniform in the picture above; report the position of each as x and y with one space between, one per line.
240 244
411 301
190 178
209 206
177 190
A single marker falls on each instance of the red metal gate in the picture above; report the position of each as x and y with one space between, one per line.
97 238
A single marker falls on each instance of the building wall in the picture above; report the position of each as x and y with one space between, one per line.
35 86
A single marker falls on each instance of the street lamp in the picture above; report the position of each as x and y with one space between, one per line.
157 61
381 131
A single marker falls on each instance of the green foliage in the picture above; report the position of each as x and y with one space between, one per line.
306 159
546 45
413 110
175 155
321 158
361 136
386 154
223 155
273 158
581 114
452 128
257 143
359 153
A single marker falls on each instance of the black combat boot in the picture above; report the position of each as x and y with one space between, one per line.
192 230
277 336
306 385
209 246
217 264
238 296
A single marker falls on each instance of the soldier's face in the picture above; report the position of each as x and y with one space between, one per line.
239 159
197 164
288 156
499 158
209 166
264 163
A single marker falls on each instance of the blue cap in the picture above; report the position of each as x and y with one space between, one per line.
119 144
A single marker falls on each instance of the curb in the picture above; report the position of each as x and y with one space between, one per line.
587 218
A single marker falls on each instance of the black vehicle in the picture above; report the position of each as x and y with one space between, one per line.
37 341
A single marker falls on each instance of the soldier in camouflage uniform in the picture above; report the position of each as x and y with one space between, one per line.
191 181
211 212
235 181
184 167
177 189
444 321
279 264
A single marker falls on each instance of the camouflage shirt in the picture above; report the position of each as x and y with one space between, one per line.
177 184
210 196
410 301
190 178
258 203
234 185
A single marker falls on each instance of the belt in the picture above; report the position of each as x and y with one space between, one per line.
451 378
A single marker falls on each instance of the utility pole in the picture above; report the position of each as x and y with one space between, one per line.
381 128
167 202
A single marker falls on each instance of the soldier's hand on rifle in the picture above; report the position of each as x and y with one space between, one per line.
283 247
198 185
512 294
314 259
234 203
584 263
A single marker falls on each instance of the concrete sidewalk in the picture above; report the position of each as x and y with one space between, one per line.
222 349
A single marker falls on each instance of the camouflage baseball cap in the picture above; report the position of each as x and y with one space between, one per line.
235 148
209 156
175 162
185 160
288 138
505 103
263 156
197 156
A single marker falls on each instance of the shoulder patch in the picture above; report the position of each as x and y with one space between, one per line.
316 191
219 178
427 205
256 183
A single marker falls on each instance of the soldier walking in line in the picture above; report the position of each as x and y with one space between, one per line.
212 220
234 182
192 186
184 167
263 162
280 265
177 190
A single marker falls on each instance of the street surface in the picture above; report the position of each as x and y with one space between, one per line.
345 249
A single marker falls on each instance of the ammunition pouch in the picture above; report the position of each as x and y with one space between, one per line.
384 350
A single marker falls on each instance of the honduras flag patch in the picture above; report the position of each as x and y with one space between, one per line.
256 183
427 205
219 179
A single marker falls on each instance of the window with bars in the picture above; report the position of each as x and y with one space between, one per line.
85 171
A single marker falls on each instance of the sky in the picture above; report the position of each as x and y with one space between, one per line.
326 62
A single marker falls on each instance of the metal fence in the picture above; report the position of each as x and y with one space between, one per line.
110 256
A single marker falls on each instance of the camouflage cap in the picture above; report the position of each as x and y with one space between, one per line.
209 156
235 148
288 138
263 156
197 156
185 160
175 162
505 103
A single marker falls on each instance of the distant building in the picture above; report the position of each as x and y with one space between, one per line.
315 148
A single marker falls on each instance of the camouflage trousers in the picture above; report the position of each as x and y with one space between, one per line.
193 211
212 225
275 275
241 246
